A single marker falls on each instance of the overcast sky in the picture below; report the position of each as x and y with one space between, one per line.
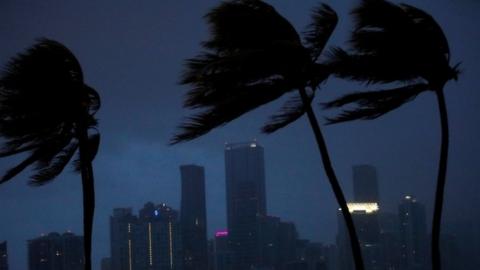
132 53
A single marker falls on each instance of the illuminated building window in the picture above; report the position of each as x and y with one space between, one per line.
367 207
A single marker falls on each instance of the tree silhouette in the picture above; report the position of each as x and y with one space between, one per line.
255 56
403 46
47 111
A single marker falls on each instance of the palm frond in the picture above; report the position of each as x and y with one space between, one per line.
40 91
17 146
41 156
319 31
93 100
292 110
247 98
42 98
19 168
401 39
216 79
370 68
246 24
46 65
373 104
378 14
56 165
432 34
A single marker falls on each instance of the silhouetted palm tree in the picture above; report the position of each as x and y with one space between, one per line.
47 111
404 46
255 56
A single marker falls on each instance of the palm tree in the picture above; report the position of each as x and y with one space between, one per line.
255 56
403 46
47 111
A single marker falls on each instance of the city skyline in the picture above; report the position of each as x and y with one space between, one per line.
374 224
361 173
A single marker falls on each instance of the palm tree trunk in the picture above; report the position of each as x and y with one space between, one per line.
337 190
88 194
441 179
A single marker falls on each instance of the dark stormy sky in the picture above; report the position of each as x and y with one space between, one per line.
132 53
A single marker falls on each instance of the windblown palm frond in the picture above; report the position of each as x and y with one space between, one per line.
324 21
247 24
254 56
42 99
391 44
292 110
370 69
373 104
244 100
56 165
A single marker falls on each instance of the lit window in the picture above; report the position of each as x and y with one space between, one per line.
363 207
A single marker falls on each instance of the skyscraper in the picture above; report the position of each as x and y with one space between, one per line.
246 201
365 185
56 252
413 234
193 218
3 256
365 217
158 240
364 210
150 241
122 224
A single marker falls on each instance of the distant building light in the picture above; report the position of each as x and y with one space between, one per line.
253 145
222 233
408 197
155 212
370 207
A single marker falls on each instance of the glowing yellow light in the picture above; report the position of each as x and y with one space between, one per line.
150 256
170 244
129 254
368 208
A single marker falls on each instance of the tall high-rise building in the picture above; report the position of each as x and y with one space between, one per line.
122 224
150 241
193 218
364 210
365 217
3 256
365 184
56 252
413 234
246 201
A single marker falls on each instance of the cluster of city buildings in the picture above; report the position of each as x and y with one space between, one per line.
159 237
52 251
